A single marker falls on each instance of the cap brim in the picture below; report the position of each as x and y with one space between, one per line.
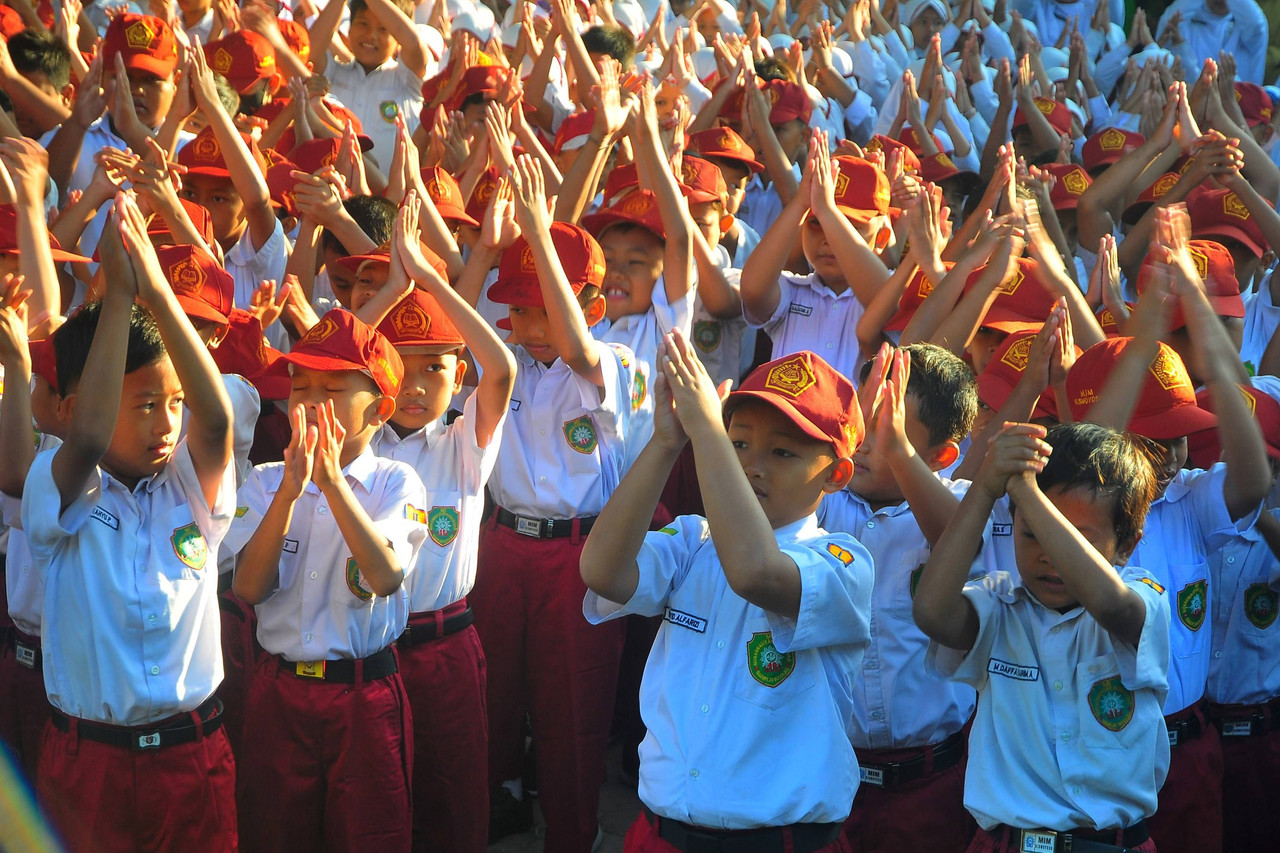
211 171
1012 325
1230 232
994 392
448 211
1177 423
516 291
150 64
201 310
597 223
787 408
503 323
1227 306
753 165
354 262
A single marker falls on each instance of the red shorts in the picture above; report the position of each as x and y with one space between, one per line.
1188 816
1251 780
643 837
24 705
107 798
924 814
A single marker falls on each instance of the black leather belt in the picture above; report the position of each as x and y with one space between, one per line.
176 730
1245 720
425 627
1073 841
889 774
1185 725
804 837
375 666
544 528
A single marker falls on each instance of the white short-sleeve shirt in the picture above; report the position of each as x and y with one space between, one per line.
1244 668
377 97
810 316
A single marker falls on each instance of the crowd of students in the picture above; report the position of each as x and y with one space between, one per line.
879 398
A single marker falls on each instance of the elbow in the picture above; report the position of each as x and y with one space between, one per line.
386 583
247 592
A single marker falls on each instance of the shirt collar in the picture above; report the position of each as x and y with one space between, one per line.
805 528
427 435
362 470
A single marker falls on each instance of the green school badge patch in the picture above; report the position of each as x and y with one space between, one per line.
706 335
639 387
581 434
1111 703
190 547
355 581
442 524
767 665
1192 601
389 110
1261 604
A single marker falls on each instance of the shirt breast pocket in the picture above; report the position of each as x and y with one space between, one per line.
579 438
1108 711
906 577
766 677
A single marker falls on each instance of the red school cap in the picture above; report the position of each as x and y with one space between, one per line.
621 179
1254 103
1217 270
1107 146
574 131
861 189
245 352
419 321
447 195
11 22
1071 183
243 58
204 289
1004 371
486 80
314 154
382 255
146 42
637 208
1057 113
9 238
1167 407
1022 302
342 341
44 360
1221 213
812 394
910 159
703 181
197 213
725 143
483 191
789 101
1205 448
295 35
912 298
1150 196
579 253
203 155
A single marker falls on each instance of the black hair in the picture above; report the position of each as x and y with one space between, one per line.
945 391
773 68
375 215
36 52
1109 464
611 41
74 338
355 7
471 100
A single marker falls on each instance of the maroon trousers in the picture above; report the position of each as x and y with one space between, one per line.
325 765
643 837
239 650
24 705
543 655
1251 784
998 842
1188 816
924 814
445 682
108 799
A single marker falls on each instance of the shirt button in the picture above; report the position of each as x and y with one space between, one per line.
693 773
1075 789
151 618
542 479
871 524
831 346
873 664
314 575
1057 685
1231 559
306 638
877 715
705 708
1217 654
542 432
720 644
155 670
1066 736
323 510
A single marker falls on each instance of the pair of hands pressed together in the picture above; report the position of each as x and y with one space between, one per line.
314 452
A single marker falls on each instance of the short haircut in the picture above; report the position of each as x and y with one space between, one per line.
1109 464
355 7
611 41
945 391
375 215
74 338
227 94
36 52
773 68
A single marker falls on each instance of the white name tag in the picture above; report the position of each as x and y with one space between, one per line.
802 310
998 529
1240 728
1013 670
26 656
1037 842
290 546
105 517
871 776
686 620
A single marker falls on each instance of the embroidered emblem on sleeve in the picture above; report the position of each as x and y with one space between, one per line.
839 553
355 581
766 664
1260 605
189 546
1111 703
1153 584
442 524
412 513
1192 601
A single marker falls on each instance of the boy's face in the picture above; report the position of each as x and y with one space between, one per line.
371 278
370 41
530 329
152 95
432 375
357 403
1088 513
342 281
1175 457
872 479
467 235
33 126
736 177
708 215
217 195
819 254
633 264
984 344
787 470
793 136
45 401
149 423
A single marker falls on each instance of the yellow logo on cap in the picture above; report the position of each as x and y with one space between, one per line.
791 377
634 203
1106 318
410 321
925 287
1085 397
387 371
436 189
842 184
1163 185
1015 281
1168 370
1018 354
320 332
139 35
1201 262
221 61
1075 181
1111 140
1045 105
484 191
186 276
944 160
1233 206
687 171
206 148
1249 401
526 260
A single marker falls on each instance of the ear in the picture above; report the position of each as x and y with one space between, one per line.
68 94
944 455
459 373
841 474
383 410
66 408
219 335
1125 550
726 222
594 310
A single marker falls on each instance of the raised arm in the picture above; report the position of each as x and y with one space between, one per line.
16 448
322 32
655 171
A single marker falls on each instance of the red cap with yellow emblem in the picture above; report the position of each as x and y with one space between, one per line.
1166 407
342 341
483 191
789 101
861 189
244 352
197 213
636 208
1204 448
203 155
486 80
295 35
725 143
1004 371
1222 214
1056 112
1107 146
419 321
1071 183
243 57
579 253
812 394
447 195
1217 270
910 159
1150 196
1022 302
204 289
314 154
702 181
621 179
146 42
1254 103
912 298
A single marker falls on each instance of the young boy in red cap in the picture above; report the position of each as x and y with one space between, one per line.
779 113
325 541
766 615
1142 385
133 756
248 62
441 661
563 452
727 151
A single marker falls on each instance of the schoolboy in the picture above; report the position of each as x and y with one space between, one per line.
133 697
1142 385
563 452
384 78
836 218
907 722
779 112
729 153
248 62
441 661
1074 657
758 602
44 63
325 541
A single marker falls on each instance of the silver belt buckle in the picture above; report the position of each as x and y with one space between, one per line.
25 655
529 526
1038 841
1238 728
871 776
150 740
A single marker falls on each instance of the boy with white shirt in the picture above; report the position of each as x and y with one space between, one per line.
766 615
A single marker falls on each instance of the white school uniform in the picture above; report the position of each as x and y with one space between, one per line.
719 342
454 470
24 585
563 450
1244 668
377 97
1069 718
811 317
131 626
321 608
748 711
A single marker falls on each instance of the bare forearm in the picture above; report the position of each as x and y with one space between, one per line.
16 448
258 566
939 606
931 502
369 548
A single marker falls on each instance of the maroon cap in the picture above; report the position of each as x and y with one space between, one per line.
1057 113
1071 183
146 42
44 361
419 321
1254 103
789 101
1150 196
203 155
243 57
197 213
1221 214
447 195
621 179
314 154
341 341
812 394
1217 270
244 352
724 142
702 180
579 253
204 289
637 208
1107 146
912 298
9 238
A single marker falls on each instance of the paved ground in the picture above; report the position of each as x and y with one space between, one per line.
618 809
